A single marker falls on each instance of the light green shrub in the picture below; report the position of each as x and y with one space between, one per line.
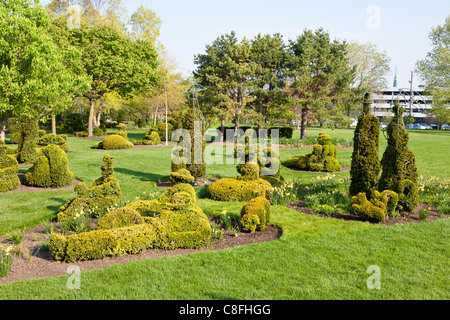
114 142
255 215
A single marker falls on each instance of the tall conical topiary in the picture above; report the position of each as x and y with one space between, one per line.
399 164
194 123
365 169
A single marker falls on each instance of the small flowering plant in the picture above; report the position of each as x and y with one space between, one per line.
6 259
283 194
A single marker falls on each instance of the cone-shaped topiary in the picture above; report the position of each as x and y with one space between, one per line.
399 169
51 170
194 123
365 169
323 157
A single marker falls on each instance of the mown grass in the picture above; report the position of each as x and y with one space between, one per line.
316 258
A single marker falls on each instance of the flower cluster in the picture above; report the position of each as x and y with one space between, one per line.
283 194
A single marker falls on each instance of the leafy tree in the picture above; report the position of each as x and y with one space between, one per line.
434 70
146 26
115 63
35 75
318 72
371 66
225 70
268 56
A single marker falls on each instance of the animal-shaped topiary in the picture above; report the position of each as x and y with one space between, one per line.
9 167
151 138
50 170
323 157
100 197
399 169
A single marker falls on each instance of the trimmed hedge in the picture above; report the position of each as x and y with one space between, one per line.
114 142
233 189
323 157
51 170
152 138
255 215
170 225
382 204
9 167
181 176
97 199
59 140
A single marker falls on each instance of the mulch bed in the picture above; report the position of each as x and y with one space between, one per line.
34 263
403 217
25 188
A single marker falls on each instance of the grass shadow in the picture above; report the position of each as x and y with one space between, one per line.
143 176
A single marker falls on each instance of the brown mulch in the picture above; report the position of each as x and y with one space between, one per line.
25 188
403 217
34 263
201 182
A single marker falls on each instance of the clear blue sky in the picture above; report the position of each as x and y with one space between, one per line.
189 25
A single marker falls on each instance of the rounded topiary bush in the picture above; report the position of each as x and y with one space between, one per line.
114 142
181 176
51 170
248 171
233 189
255 215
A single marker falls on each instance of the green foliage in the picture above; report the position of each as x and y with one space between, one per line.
399 169
255 215
9 167
59 140
51 170
29 132
176 222
382 204
151 138
181 176
95 200
123 217
6 260
233 189
323 157
113 142
248 171
365 169
98 132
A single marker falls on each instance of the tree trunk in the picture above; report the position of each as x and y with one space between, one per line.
260 112
222 127
305 110
236 124
3 130
267 114
91 119
98 115
54 125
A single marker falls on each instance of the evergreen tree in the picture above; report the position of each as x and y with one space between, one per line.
365 169
399 169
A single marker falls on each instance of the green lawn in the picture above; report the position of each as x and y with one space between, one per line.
316 258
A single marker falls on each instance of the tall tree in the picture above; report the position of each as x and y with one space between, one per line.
34 72
318 72
371 66
434 70
115 63
225 70
146 26
268 55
